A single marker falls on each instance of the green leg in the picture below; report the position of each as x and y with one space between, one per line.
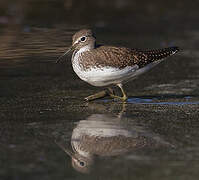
110 91
123 98
98 95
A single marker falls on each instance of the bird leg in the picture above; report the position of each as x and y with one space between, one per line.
123 98
98 95
110 91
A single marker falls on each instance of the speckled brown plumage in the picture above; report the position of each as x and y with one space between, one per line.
109 146
120 57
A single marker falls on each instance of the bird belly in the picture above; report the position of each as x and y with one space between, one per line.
105 76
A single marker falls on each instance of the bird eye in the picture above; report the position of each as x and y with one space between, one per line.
83 38
81 163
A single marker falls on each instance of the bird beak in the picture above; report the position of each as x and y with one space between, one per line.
65 149
69 50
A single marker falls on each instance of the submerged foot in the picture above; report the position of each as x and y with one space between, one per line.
112 94
123 98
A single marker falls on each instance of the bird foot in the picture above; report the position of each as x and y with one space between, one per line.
105 93
123 98
98 95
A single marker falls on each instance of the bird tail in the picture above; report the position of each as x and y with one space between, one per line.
159 54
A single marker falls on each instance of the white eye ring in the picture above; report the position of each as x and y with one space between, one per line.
83 38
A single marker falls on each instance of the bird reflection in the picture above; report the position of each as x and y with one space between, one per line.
107 135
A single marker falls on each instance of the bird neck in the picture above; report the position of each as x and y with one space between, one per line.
86 48
77 53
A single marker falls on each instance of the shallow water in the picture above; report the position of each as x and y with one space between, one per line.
47 131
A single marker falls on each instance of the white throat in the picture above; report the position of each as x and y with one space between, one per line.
85 48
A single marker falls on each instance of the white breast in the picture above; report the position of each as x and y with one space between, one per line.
75 63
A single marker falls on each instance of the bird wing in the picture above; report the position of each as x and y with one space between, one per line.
121 57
